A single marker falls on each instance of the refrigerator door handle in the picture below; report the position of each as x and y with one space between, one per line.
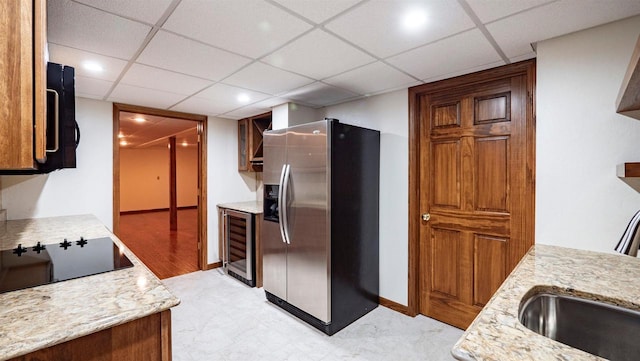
283 206
283 213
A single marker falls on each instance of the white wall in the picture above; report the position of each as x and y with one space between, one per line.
290 114
187 176
389 114
144 178
224 183
86 189
299 114
580 203
280 116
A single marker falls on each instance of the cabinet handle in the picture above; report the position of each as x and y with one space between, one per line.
57 120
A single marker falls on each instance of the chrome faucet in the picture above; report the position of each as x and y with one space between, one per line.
630 240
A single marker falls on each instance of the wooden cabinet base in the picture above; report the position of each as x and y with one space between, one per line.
145 339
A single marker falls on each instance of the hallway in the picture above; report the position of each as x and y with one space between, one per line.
166 253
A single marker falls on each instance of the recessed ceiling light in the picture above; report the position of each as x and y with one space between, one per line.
92 66
264 26
123 143
243 98
414 20
139 119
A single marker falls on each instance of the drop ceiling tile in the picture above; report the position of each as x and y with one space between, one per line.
88 96
318 11
465 71
489 11
112 67
228 95
463 51
271 102
153 78
248 27
147 11
130 94
515 33
318 55
203 106
377 26
371 79
266 79
92 88
82 27
245 112
320 94
522 57
173 52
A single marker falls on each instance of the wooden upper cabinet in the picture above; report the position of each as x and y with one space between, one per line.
250 150
23 88
243 145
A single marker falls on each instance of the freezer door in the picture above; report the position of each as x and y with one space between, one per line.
307 198
274 249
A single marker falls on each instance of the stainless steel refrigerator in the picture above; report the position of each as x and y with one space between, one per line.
320 229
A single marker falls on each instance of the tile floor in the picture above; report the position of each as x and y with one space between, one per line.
220 318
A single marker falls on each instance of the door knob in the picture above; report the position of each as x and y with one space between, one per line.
426 217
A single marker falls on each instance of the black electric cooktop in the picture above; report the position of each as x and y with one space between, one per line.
24 267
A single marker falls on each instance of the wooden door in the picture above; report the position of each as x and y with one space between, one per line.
476 187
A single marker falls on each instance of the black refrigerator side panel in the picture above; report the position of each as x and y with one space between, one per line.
355 184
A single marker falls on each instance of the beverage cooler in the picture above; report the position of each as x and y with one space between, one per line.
239 246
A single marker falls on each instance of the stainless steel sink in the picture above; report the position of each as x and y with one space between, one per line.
598 328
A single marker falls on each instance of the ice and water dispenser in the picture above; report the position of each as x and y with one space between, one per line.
271 211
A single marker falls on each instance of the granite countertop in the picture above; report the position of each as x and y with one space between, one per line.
496 334
43 316
254 207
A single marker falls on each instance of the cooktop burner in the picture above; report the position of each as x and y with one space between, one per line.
24 267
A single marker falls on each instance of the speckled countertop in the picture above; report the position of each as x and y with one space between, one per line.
43 316
254 207
496 334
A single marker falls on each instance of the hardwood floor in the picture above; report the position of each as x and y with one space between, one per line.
166 253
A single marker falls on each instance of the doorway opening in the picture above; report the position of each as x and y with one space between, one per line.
159 187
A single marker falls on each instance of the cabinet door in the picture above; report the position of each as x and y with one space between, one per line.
243 145
40 79
250 148
16 89
22 92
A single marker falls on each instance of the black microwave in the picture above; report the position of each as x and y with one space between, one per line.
63 133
